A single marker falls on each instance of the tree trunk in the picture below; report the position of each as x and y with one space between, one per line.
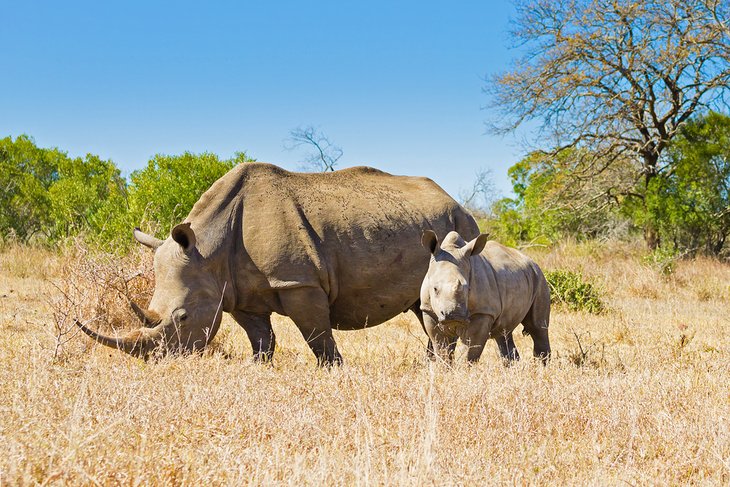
651 235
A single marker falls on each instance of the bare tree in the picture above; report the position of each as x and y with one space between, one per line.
322 155
480 196
617 77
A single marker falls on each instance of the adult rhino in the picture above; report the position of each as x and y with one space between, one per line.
329 250
479 290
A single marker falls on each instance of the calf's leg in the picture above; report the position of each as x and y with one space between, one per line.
443 344
476 336
536 325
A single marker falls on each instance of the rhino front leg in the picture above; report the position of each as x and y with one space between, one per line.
442 343
309 309
476 336
260 334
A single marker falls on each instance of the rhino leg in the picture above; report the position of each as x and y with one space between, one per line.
476 336
416 308
507 348
536 325
442 343
309 310
259 331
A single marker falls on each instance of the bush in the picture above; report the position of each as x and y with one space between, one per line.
569 289
159 197
663 260
48 196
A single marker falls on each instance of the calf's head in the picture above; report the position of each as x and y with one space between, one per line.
445 289
184 313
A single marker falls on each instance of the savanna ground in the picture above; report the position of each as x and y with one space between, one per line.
637 395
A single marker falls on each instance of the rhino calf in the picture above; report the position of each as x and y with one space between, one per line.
480 290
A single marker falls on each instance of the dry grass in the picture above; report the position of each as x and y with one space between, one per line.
637 395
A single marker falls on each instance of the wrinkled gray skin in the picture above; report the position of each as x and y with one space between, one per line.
481 290
329 250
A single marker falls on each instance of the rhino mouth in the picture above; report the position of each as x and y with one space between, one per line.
453 327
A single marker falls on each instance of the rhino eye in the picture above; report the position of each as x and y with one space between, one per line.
181 315
435 290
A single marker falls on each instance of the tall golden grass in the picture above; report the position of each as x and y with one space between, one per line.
639 394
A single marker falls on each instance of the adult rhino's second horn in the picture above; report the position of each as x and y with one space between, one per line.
146 240
148 318
138 343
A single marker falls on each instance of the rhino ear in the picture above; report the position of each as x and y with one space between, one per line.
477 245
184 235
430 241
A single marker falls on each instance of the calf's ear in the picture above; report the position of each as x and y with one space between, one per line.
430 241
477 245
184 235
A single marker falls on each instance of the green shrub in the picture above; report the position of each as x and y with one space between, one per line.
569 289
48 196
663 260
159 197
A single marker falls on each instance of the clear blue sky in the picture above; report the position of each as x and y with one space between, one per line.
398 85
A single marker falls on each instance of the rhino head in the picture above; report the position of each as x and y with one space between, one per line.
185 311
445 289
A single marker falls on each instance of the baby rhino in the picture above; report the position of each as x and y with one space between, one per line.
481 290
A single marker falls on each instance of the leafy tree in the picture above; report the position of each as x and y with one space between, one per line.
46 194
83 187
618 77
547 207
26 173
164 192
691 205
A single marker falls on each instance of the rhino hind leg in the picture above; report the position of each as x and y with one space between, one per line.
536 325
260 334
309 310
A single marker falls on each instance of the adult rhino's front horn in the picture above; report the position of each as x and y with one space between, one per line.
140 342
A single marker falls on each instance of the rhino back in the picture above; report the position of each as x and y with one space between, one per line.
505 283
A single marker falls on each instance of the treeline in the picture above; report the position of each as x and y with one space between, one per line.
684 205
48 197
